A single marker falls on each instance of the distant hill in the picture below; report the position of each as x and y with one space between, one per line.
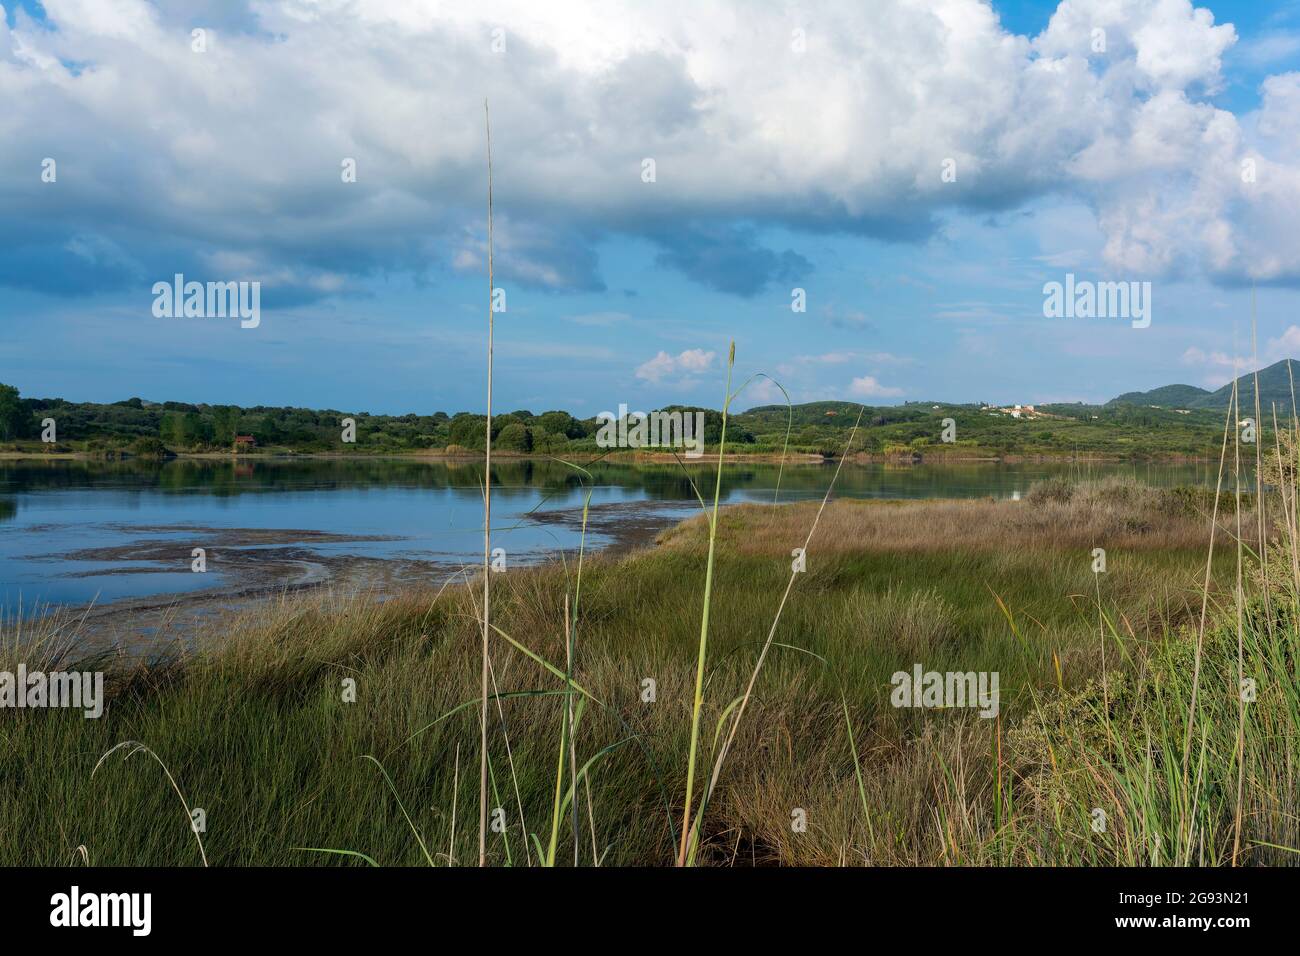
1166 396
1274 388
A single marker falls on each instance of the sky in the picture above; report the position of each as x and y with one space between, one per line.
667 178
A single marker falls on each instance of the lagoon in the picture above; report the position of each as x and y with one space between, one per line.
77 532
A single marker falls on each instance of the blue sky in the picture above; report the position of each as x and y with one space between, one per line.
776 168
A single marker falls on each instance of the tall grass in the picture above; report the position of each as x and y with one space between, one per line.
487 522
1194 777
702 655
254 731
1129 733
741 703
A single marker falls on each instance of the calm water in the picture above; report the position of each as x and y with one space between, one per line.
76 532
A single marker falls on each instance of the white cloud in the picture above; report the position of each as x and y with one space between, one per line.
1216 368
245 140
763 391
1219 363
867 387
1196 356
665 366
1286 345
1269 48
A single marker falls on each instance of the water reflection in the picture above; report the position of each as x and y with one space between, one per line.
668 482
76 531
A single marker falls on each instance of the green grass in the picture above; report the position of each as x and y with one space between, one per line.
256 733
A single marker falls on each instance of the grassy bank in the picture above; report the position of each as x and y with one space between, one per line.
255 729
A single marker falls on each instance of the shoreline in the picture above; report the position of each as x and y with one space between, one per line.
250 556
628 458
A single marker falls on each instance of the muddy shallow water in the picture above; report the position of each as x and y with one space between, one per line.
120 537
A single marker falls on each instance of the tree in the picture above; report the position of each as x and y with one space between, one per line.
172 429
268 431
225 423
198 429
562 423
467 430
11 413
548 441
514 437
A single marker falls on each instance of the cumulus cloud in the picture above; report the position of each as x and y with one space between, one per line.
866 386
664 366
166 154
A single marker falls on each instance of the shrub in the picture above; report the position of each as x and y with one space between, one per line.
148 447
1051 489
514 437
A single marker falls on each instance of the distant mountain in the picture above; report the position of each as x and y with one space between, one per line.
1274 388
1166 396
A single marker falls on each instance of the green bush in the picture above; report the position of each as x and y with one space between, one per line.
514 437
148 447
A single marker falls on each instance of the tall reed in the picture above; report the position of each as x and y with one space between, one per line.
702 656
487 525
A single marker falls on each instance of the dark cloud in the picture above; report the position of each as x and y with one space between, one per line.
730 259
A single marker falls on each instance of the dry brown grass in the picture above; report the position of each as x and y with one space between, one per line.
1118 514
